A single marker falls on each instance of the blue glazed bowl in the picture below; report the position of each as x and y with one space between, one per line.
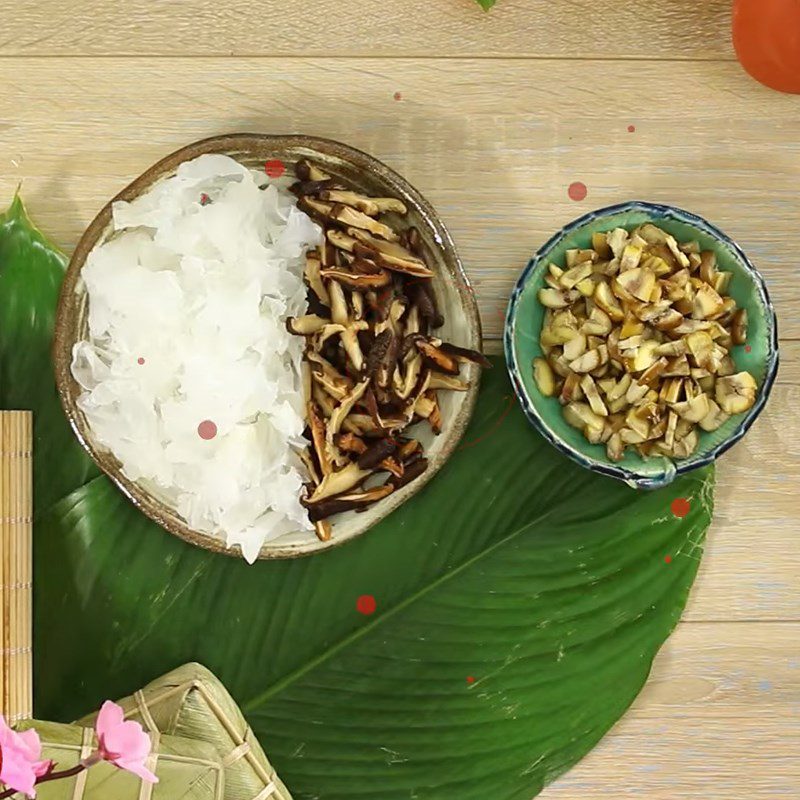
524 321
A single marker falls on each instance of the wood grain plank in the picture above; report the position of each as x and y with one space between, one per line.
329 28
493 144
718 720
752 562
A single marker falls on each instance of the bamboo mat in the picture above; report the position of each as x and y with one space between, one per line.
15 564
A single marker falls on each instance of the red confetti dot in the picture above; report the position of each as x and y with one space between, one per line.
274 168
631 128
680 507
747 348
204 199
668 559
470 679
206 429
366 604
398 96
140 360
577 191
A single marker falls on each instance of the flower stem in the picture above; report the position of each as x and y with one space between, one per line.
64 773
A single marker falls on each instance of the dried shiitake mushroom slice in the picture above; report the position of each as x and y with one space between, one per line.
372 365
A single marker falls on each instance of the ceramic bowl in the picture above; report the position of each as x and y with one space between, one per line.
524 321
454 294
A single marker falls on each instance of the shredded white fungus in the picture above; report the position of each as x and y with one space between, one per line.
190 377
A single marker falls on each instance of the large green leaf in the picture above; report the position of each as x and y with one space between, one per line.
520 602
31 270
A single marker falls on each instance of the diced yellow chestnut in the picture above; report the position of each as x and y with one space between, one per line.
543 375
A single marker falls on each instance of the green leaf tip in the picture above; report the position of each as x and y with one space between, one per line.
17 208
16 217
486 4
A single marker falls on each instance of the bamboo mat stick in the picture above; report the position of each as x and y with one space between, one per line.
16 567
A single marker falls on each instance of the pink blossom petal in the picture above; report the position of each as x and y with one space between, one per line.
20 759
122 742
128 740
138 768
17 773
31 743
41 768
109 717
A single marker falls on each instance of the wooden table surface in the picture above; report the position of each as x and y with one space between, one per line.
492 116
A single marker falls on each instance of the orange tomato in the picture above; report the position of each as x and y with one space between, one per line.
766 37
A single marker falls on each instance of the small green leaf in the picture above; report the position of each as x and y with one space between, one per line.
485 4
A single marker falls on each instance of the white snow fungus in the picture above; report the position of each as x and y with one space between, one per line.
189 375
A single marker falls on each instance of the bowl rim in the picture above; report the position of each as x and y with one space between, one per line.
631 476
238 144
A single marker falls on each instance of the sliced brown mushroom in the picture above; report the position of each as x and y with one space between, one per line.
314 279
378 352
427 406
350 443
411 472
388 363
437 357
344 408
358 280
341 240
323 530
408 448
338 482
369 350
363 425
423 298
376 453
311 467
326 333
357 304
323 373
358 201
349 336
326 507
318 433
393 466
325 401
364 266
463 354
405 382
308 171
306 325
390 204
347 216
441 381
391 255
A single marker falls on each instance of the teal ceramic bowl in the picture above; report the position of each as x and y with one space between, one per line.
524 321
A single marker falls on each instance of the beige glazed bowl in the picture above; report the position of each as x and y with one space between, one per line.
457 303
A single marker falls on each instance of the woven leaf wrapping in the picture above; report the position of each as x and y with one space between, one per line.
191 702
187 769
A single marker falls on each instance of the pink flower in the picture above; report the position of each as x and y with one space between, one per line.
122 742
20 753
